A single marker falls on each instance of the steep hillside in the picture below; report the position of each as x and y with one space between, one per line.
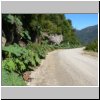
88 34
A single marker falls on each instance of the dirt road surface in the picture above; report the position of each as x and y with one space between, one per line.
67 67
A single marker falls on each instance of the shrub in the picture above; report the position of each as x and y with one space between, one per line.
19 59
40 49
11 79
93 46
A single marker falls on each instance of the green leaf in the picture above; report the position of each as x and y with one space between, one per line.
11 65
37 58
23 67
20 64
33 62
26 61
10 19
27 35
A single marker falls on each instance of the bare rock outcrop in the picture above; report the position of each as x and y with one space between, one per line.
3 41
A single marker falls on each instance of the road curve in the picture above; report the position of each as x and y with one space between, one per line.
67 67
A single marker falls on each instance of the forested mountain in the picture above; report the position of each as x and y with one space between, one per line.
88 34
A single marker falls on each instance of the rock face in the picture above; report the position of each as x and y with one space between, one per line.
3 41
57 39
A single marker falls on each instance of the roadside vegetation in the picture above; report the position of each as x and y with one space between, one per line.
93 46
26 40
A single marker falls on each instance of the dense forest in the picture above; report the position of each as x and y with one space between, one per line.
26 40
31 27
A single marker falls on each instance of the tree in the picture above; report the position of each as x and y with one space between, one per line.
30 27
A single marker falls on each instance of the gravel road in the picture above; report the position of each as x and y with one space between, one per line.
67 67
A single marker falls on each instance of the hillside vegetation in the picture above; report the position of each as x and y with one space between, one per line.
27 38
93 46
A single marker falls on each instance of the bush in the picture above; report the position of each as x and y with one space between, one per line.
11 79
93 46
40 49
19 59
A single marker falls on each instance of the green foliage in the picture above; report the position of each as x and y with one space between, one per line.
25 35
11 79
19 59
49 27
29 28
10 19
37 49
93 46
8 64
53 24
13 28
40 49
66 46
14 20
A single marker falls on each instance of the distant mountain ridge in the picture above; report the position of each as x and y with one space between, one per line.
87 34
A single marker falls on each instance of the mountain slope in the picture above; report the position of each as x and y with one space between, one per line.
88 34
